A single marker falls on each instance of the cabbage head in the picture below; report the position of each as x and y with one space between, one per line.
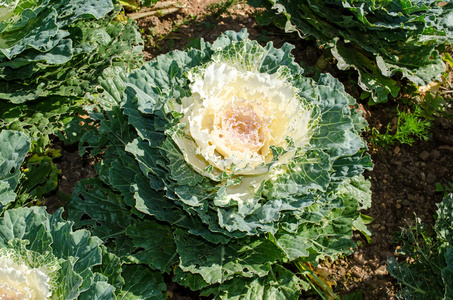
234 162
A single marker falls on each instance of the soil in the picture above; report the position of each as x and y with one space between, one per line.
404 176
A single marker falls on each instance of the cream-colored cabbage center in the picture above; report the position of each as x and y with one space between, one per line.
8 292
18 281
234 117
240 128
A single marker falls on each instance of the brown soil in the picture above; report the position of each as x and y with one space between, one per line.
403 179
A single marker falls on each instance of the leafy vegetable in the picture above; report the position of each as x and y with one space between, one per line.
41 257
379 39
59 48
54 53
24 179
428 270
233 162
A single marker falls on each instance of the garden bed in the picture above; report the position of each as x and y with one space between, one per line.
403 180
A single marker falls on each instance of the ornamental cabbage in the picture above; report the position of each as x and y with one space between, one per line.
378 39
51 53
60 47
41 257
233 162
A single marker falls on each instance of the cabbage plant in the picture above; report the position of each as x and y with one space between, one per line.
42 258
51 56
223 163
60 47
379 39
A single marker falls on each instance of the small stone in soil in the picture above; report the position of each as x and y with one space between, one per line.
424 155
396 150
405 202
359 259
382 270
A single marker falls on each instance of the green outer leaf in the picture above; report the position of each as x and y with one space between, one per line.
80 245
159 251
329 236
280 284
81 50
111 269
91 198
163 209
100 289
142 284
43 31
193 281
303 173
356 189
371 78
26 224
70 281
40 175
40 119
109 216
13 149
218 263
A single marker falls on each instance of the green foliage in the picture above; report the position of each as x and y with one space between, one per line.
39 119
68 43
13 149
446 188
75 252
24 180
410 126
435 105
428 269
378 39
40 174
153 207
50 65
84 268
